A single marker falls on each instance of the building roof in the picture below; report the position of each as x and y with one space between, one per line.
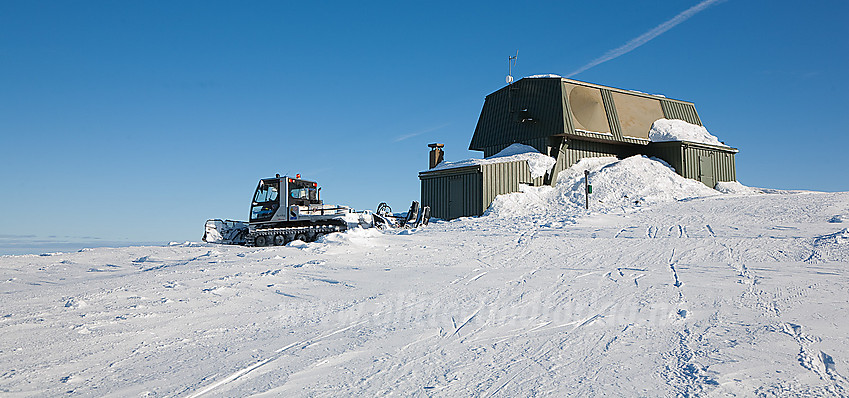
538 164
549 105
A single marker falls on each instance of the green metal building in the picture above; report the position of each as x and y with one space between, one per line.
468 191
567 120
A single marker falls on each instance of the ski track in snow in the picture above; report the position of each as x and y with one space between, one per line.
722 295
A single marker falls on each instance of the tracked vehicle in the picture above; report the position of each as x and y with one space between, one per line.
285 209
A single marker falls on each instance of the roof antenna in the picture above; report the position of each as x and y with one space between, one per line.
511 62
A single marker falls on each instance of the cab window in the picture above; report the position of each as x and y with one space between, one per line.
266 193
303 193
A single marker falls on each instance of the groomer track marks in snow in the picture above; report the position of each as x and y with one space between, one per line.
565 307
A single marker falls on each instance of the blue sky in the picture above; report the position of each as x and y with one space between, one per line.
136 121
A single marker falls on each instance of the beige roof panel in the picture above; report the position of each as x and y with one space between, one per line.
636 114
587 108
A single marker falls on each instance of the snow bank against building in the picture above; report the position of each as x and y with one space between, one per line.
538 163
618 185
679 130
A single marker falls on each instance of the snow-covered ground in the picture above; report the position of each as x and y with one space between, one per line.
674 290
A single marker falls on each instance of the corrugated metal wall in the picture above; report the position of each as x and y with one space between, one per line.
492 150
670 152
680 110
688 159
436 191
500 178
540 144
722 162
571 151
477 187
499 123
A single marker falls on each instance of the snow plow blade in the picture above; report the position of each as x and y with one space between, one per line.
227 232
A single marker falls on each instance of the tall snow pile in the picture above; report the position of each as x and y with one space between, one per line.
678 130
538 163
618 185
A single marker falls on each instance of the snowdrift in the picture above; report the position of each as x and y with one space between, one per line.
678 130
736 188
618 185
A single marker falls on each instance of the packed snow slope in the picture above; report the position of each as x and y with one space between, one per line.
662 288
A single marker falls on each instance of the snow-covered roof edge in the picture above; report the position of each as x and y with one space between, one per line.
675 130
538 163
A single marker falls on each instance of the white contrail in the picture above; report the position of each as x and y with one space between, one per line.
646 37
411 135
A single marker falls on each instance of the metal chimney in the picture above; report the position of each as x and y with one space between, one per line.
436 154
